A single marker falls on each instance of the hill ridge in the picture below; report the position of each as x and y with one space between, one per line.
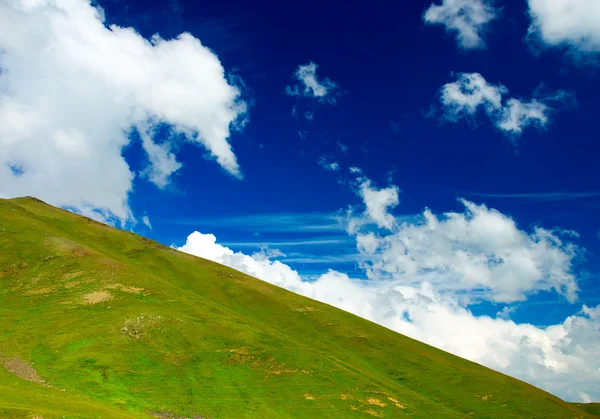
118 325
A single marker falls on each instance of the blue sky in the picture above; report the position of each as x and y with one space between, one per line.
390 67
493 102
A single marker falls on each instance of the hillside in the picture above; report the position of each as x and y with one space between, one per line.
98 322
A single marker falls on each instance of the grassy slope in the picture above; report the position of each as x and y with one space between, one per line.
184 335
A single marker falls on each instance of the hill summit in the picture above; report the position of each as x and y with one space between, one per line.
99 322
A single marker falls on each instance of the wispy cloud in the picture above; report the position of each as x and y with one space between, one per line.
311 86
291 222
275 243
325 259
538 196
326 163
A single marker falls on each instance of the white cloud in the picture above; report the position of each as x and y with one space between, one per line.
574 24
327 164
517 115
377 203
563 359
470 92
163 162
72 89
423 274
480 250
146 222
311 86
506 312
467 19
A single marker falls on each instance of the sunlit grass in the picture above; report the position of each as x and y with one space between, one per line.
120 326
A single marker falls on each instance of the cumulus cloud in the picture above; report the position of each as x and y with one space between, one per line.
377 202
424 274
72 89
563 358
163 162
311 86
573 24
464 98
466 19
479 250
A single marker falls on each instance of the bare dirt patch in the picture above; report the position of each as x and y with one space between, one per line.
22 369
485 397
139 326
307 396
97 297
373 413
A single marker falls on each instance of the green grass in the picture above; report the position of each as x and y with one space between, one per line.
183 335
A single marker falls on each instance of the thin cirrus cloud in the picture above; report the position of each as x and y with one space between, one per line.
423 274
570 24
287 243
72 90
538 196
282 222
470 93
467 20
327 164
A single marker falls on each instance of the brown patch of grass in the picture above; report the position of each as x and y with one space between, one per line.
137 327
132 290
374 413
376 402
307 396
241 351
344 396
76 283
128 289
305 309
97 297
40 291
72 275
69 248
377 392
169 415
485 397
396 403
22 369
278 370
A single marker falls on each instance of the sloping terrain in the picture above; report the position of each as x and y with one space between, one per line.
98 322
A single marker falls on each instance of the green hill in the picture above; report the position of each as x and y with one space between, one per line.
98 322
